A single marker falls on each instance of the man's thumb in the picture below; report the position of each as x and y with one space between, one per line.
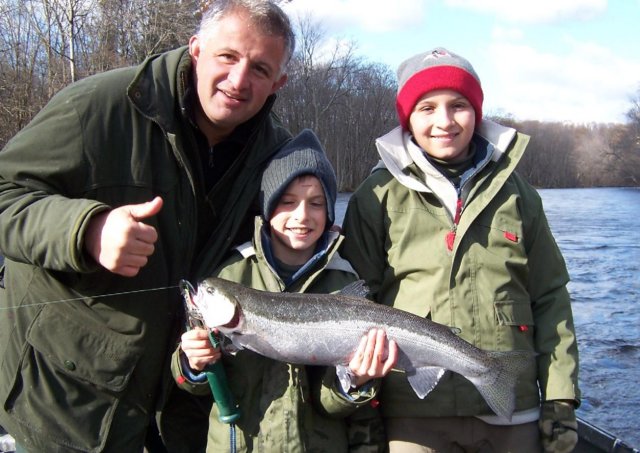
145 210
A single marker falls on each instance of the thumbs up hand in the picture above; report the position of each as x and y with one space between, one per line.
120 241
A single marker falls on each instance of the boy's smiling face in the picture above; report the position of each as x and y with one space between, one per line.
298 220
442 123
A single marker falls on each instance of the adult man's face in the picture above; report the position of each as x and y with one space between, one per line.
237 66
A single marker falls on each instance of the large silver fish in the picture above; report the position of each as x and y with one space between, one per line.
325 329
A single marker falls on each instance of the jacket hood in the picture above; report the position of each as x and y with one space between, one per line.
327 250
398 152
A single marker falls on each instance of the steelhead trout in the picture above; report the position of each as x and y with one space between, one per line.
325 329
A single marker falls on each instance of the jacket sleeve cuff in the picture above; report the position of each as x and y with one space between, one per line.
185 378
359 395
194 377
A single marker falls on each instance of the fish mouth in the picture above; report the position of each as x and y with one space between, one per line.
193 312
235 320
187 290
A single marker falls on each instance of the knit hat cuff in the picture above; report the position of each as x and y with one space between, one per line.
438 78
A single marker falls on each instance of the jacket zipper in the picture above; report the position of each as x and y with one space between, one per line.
451 235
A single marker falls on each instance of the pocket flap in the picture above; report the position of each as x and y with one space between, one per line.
513 313
82 347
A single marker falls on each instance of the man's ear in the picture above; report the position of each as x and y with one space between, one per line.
194 47
279 83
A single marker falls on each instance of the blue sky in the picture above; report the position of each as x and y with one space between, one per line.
549 60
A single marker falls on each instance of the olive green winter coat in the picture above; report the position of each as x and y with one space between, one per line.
503 283
77 343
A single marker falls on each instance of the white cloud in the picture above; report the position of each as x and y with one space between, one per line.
507 34
585 83
369 15
540 11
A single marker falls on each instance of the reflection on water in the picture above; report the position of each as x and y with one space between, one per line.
598 232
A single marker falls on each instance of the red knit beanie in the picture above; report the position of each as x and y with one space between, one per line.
436 69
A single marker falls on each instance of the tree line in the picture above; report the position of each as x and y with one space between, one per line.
347 100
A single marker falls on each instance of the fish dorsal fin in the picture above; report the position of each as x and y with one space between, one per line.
355 289
425 379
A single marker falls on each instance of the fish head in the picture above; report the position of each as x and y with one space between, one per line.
218 307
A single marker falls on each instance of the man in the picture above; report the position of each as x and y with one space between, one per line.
123 184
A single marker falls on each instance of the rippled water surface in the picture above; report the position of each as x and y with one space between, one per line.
598 231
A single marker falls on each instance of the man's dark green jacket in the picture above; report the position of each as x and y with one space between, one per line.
77 341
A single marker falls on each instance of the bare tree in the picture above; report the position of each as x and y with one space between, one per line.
128 31
624 142
367 113
60 24
347 102
633 115
20 69
318 76
47 44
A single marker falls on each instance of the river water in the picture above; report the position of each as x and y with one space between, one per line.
598 232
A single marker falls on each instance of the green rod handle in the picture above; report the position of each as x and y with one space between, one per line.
228 410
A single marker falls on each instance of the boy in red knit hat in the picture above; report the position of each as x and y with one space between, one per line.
445 228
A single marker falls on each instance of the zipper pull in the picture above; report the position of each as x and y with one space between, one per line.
450 238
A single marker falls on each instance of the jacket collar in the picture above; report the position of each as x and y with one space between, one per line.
158 75
398 151
400 155
326 252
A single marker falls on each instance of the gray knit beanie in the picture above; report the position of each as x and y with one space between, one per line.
436 69
302 155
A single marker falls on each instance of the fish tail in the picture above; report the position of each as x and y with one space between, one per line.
498 386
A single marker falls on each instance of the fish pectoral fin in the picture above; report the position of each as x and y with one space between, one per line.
346 378
424 379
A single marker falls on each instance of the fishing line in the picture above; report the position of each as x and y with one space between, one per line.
99 296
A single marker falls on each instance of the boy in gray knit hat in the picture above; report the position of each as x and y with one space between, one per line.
303 155
289 406
445 227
